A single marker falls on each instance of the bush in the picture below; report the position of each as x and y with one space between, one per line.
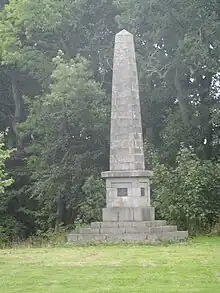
216 228
91 209
189 193
10 228
4 155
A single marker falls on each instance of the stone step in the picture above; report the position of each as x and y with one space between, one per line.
129 237
169 236
129 230
89 231
128 224
121 230
158 230
74 238
148 238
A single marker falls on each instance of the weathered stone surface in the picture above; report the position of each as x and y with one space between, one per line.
125 112
127 182
133 187
127 174
144 214
89 231
163 229
96 225
120 214
129 237
127 230
168 236
131 224
71 238
149 224
91 237
112 230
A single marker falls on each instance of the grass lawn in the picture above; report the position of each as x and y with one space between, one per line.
189 267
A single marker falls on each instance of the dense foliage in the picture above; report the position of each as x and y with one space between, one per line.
4 180
55 88
188 193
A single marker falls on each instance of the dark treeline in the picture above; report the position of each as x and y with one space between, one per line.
55 89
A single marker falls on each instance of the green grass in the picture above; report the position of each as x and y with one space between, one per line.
188 267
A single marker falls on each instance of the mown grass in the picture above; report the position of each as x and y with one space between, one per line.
187 267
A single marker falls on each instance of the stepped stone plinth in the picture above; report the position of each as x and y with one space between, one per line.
134 231
128 215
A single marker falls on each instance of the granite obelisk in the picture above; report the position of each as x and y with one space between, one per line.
127 182
126 150
128 215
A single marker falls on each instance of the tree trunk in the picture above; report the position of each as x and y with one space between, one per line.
205 115
181 99
17 99
17 114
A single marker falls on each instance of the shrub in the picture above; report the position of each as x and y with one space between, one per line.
189 193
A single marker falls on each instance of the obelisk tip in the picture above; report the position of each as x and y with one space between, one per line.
124 32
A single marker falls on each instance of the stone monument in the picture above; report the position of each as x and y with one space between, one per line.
128 215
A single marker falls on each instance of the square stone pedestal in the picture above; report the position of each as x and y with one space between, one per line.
129 189
128 196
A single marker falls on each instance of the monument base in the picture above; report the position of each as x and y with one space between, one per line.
130 232
128 214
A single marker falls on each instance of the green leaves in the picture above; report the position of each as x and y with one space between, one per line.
188 194
94 189
178 52
5 181
68 126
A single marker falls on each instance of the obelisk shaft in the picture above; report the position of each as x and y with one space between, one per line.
126 143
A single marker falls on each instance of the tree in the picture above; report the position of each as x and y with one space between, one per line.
68 127
189 193
31 35
178 52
